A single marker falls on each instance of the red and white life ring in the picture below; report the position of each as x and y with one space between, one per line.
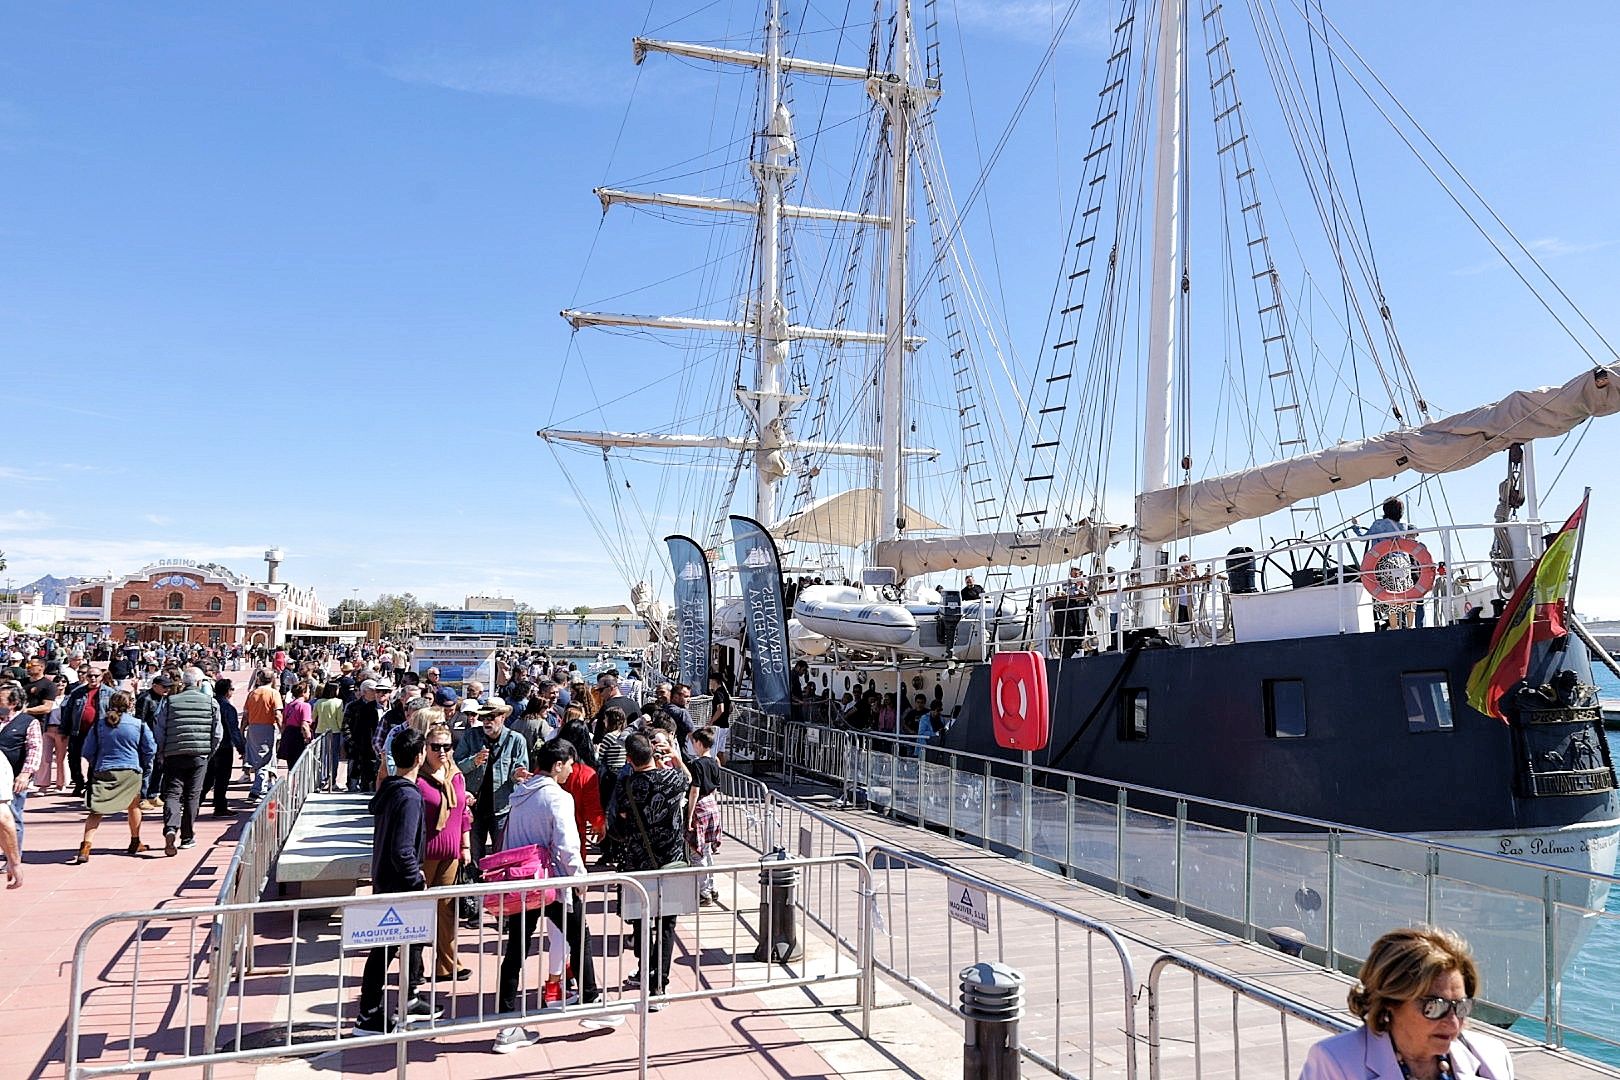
1378 576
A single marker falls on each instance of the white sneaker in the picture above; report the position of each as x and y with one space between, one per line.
597 1023
515 1038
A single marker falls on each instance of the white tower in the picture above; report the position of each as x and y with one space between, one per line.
272 559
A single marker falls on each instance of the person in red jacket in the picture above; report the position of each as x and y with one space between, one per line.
583 785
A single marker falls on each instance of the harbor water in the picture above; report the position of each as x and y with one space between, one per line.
1589 980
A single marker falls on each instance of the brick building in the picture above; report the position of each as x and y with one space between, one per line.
181 600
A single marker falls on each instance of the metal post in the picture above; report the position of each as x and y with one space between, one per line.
992 1001
1549 938
1120 810
1248 876
1431 871
1332 899
1181 844
1028 840
778 892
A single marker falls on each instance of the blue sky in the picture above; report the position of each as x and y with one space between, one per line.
288 273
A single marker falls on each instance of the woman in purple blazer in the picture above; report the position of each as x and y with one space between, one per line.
1416 989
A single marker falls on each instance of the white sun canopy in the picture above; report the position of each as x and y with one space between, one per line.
1442 446
847 519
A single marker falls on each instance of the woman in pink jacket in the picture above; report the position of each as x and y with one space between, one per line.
449 838
1416 989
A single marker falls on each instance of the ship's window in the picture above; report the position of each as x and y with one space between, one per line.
1427 697
1285 708
1133 714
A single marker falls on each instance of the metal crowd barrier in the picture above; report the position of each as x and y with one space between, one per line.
1193 1041
258 846
937 918
141 1018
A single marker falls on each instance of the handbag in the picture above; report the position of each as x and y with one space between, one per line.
528 863
468 907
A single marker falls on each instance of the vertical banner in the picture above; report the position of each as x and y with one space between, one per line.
759 573
693 611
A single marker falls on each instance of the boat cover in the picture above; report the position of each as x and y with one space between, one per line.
1441 446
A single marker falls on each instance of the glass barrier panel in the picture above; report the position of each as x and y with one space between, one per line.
1212 880
1369 899
1149 866
1289 883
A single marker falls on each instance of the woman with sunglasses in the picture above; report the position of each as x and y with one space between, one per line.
449 834
1416 988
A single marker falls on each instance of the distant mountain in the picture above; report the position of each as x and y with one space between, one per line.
55 589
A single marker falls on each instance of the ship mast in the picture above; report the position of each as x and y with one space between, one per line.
897 101
766 403
768 321
1165 290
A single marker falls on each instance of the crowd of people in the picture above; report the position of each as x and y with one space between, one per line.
467 781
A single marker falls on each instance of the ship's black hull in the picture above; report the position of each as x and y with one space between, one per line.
1358 762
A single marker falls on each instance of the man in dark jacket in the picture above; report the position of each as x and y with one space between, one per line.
187 733
398 840
150 706
223 762
85 704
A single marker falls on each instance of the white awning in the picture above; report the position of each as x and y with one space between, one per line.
847 519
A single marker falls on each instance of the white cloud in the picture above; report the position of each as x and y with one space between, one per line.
23 521
533 73
1548 247
1030 20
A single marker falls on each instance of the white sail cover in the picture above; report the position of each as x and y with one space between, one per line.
1442 446
847 519
912 557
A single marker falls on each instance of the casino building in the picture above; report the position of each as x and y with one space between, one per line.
201 602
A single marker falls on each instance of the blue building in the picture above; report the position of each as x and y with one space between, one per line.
501 624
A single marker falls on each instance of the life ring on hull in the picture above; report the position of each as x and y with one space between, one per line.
1397 570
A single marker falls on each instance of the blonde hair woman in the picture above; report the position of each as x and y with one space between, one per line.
1416 989
449 832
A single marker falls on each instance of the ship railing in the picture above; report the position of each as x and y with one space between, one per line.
1201 601
1314 888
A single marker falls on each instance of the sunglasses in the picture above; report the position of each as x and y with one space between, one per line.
440 746
1436 1008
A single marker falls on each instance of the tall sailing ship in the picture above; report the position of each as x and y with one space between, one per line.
1233 634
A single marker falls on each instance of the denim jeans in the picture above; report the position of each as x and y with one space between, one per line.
261 756
18 801
329 762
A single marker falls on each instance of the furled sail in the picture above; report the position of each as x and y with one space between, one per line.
1442 446
911 557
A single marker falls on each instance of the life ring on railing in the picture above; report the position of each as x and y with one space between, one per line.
1397 570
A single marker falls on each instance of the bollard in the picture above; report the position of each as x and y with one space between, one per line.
778 893
992 1002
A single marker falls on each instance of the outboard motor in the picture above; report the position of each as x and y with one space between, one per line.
950 616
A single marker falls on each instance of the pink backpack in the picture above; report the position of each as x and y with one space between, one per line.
528 863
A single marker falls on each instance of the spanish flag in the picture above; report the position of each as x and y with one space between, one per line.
1536 613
